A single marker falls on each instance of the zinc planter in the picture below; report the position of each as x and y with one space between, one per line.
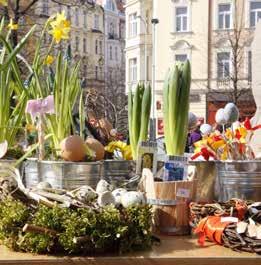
30 172
118 172
239 179
63 175
207 188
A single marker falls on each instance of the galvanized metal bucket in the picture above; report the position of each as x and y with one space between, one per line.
69 175
8 162
207 189
60 174
118 172
239 179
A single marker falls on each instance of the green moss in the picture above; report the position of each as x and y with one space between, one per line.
105 229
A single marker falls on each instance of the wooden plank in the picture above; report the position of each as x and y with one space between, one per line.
172 251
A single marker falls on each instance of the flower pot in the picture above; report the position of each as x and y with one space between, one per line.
207 188
117 172
61 174
171 206
30 172
239 179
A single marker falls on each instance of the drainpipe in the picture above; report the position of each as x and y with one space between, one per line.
210 6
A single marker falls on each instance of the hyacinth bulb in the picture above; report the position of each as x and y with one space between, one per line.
231 113
220 117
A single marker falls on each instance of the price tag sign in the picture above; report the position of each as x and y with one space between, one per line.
184 193
229 219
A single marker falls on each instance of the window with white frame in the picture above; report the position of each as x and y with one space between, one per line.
110 52
133 25
85 70
255 12
224 16
181 58
68 12
96 72
77 41
110 5
100 47
85 18
96 46
116 53
77 16
223 65
133 70
249 68
96 21
84 46
181 19
45 7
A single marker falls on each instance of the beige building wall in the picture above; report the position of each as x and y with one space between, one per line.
170 44
137 43
201 41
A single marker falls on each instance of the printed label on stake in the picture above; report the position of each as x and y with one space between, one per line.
184 193
229 219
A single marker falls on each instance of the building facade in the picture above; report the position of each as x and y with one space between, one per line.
203 31
87 38
114 29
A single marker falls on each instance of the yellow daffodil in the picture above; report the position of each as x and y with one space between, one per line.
60 27
49 60
12 25
122 147
4 2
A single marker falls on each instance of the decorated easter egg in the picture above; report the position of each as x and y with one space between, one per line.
118 194
220 117
131 198
231 113
106 198
205 129
103 186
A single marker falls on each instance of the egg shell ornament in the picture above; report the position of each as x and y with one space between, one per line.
85 194
220 117
3 148
231 113
118 194
205 129
131 198
106 198
103 186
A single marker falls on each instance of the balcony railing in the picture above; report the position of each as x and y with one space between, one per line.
223 82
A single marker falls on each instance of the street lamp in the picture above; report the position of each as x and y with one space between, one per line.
145 46
154 22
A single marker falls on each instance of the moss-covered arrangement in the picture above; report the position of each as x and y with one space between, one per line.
75 231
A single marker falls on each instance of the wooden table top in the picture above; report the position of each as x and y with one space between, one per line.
171 251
